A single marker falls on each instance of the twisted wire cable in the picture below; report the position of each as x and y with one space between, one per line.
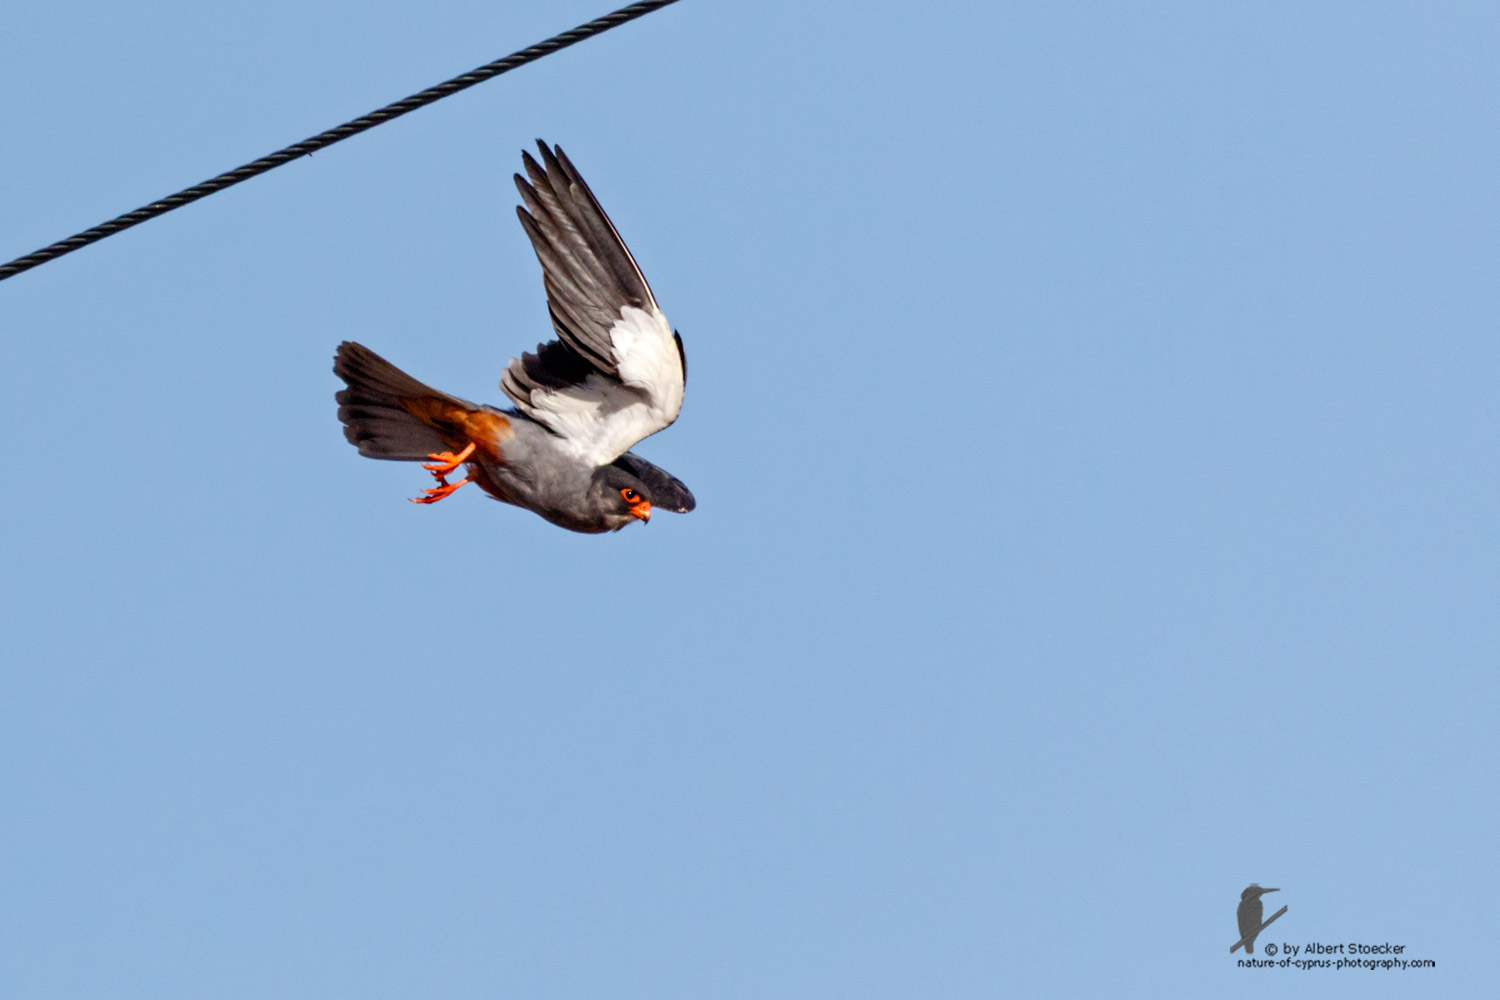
333 135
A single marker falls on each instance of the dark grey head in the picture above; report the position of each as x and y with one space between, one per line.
616 498
1253 891
667 491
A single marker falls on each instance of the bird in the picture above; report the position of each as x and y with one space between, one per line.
615 374
1249 913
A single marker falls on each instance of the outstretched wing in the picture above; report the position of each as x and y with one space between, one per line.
616 372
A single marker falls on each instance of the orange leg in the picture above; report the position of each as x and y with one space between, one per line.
442 489
444 462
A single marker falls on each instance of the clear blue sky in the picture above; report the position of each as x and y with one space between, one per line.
1093 415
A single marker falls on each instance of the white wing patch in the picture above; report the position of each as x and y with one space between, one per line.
602 418
649 360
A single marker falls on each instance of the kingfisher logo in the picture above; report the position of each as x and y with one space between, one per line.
1249 914
1284 954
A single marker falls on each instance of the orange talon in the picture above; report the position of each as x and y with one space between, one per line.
442 489
444 462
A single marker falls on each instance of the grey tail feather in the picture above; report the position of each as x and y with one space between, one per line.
374 420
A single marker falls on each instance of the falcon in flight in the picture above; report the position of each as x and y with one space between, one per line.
614 375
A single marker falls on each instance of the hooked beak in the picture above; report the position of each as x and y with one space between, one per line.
641 510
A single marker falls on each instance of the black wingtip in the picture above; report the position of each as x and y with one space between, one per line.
550 158
549 153
534 171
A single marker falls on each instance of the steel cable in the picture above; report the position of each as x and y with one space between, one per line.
333 135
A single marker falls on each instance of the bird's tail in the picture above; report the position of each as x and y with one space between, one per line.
388 414
1250 947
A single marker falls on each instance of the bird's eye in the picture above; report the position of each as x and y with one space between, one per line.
630 495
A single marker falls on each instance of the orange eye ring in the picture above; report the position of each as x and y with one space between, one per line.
630 495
